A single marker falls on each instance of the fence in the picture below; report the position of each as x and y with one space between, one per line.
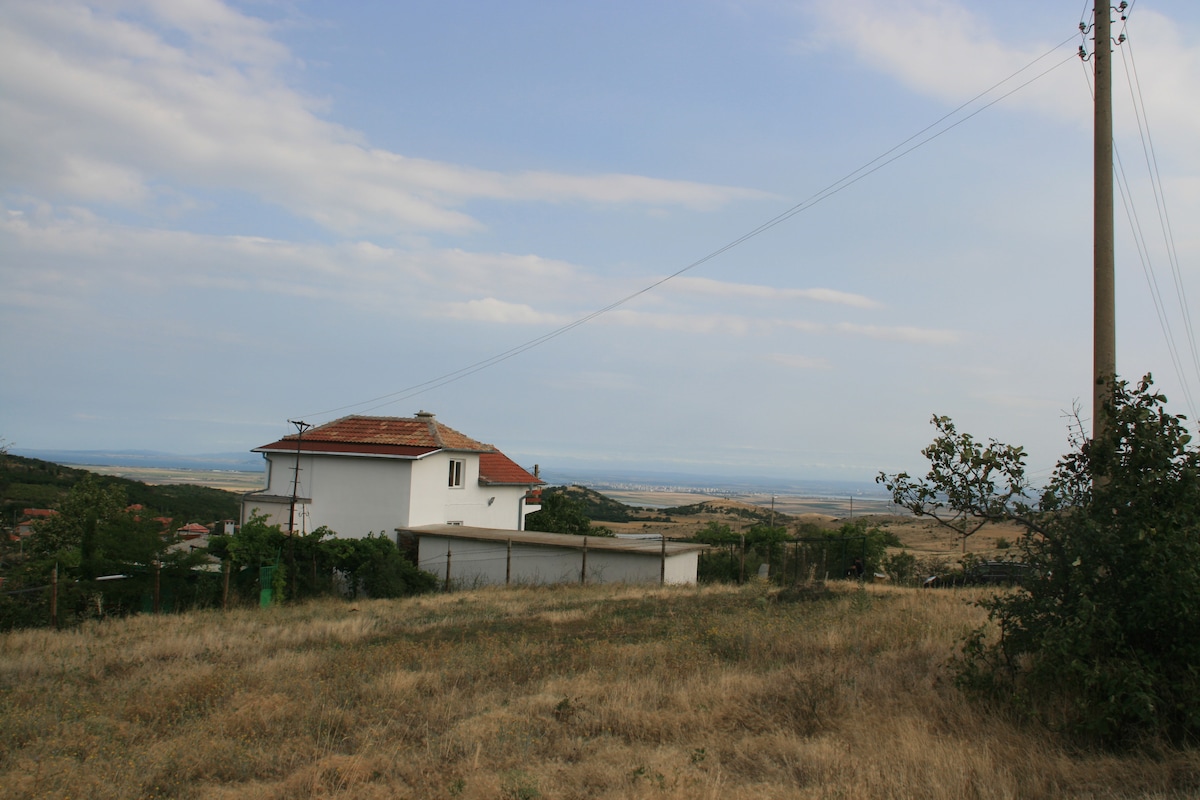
788 561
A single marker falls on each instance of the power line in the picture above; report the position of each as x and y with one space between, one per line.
898 151
1140 244
1160 200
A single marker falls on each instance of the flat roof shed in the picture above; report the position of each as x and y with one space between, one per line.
464 556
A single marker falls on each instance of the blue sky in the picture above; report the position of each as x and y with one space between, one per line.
219 216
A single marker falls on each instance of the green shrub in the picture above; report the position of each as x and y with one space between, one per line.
1104 640
900 567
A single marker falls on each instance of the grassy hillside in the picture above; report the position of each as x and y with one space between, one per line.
569 692
600 508
32 483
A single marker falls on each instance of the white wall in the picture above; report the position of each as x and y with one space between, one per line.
352 495
355 495
475 562
435 503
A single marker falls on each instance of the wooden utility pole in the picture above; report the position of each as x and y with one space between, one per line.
1104 345
54 597
301 427
662 564
583 566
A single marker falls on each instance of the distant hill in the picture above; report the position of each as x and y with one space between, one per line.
597 507
601 508
240 462
34 483
732 508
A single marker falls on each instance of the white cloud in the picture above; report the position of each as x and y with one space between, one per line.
792 361
49 248
490 309
901 333
708 286
724 324
939 47
951 50
96 101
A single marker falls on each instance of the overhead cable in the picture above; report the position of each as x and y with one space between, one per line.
913 142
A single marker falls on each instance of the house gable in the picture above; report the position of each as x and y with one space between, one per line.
361 474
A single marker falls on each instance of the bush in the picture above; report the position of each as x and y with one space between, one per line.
1104 640
373 565
900 567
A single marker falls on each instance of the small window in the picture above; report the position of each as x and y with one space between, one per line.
457 466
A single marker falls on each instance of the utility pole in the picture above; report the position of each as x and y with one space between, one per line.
301 427
1104 344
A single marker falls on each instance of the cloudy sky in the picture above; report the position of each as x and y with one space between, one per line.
221 216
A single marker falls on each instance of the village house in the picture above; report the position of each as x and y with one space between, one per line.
362 474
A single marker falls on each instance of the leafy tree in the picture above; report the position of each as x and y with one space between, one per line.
94 535
900 567
561 513
375 566
767 542
1104 640
716 533
721 562
372 565
968 484
256 543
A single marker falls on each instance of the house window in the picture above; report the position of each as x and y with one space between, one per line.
457 467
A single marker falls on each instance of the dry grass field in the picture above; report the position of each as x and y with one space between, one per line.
924 538
524 693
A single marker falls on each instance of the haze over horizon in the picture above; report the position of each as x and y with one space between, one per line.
219 216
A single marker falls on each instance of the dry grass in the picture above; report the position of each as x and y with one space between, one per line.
599 692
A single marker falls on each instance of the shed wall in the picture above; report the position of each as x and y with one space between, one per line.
476 562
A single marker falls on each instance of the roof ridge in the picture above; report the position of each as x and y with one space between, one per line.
421 430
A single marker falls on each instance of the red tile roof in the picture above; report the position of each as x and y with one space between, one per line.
405 437
402 436
495 468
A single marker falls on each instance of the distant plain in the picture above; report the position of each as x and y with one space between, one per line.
922 536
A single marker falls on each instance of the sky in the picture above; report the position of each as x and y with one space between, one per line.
222 216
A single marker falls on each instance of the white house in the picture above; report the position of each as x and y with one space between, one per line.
358 475
467 557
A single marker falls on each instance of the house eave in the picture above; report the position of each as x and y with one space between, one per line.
283 499
398 452
640 546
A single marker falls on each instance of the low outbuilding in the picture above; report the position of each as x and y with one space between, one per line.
463 556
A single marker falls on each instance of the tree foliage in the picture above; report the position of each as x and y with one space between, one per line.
319 563
562 513
33 483
969 484
95 536
1104 640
